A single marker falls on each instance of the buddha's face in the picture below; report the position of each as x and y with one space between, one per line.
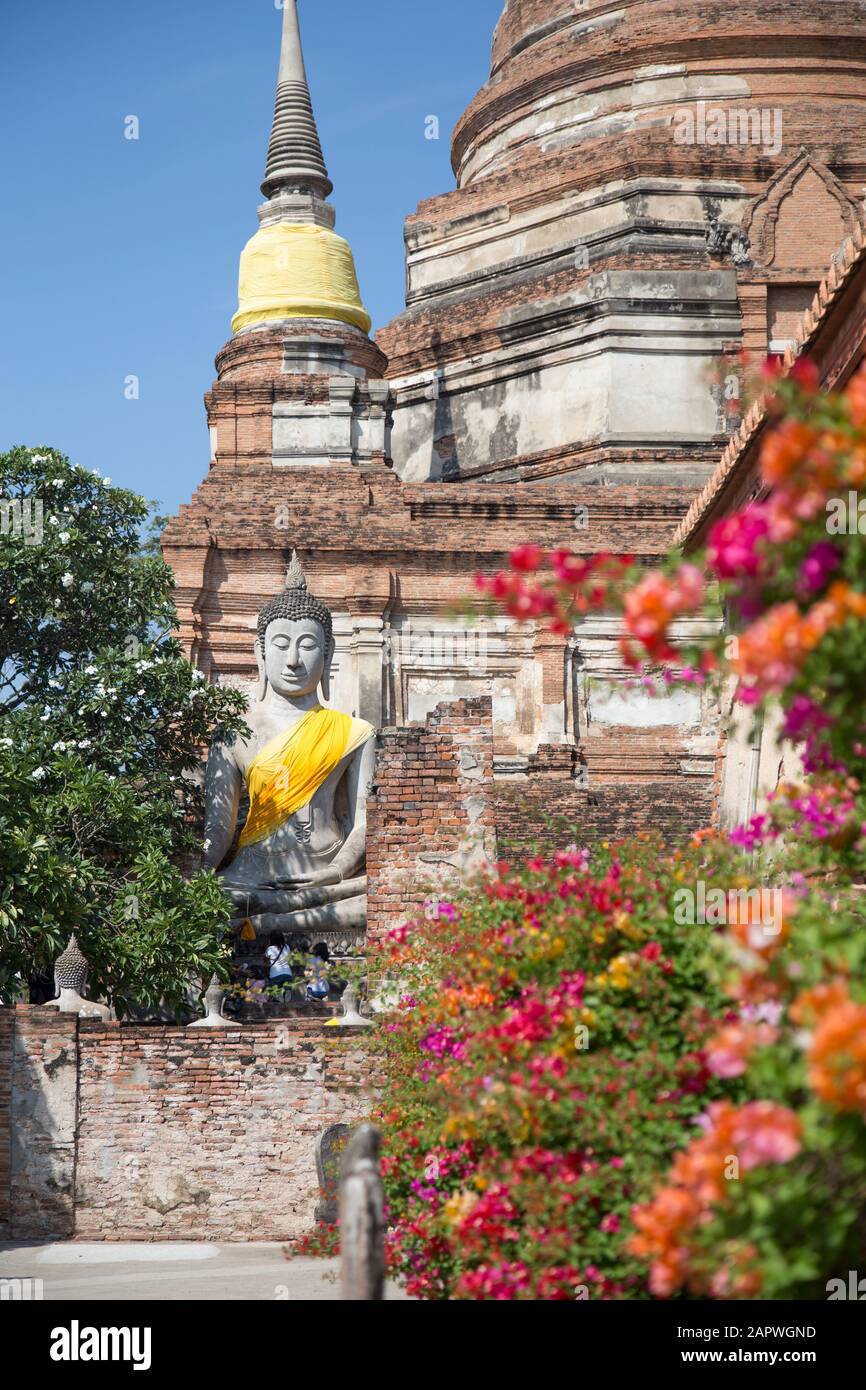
296 655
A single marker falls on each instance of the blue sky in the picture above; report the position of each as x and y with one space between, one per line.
120 257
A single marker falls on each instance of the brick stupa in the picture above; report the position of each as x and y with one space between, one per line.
572 309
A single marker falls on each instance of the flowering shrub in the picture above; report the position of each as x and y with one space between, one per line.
791 570
545 1061
767 1200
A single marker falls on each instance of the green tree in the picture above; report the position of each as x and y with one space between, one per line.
102 726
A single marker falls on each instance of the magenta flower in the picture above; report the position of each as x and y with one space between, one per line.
749 836
734 549
804 717
817 567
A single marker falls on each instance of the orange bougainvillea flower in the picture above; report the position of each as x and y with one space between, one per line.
754 1134
772 652
760 919
855 396
855 472
784 449
729 1050
651 606
837 1057
812 1004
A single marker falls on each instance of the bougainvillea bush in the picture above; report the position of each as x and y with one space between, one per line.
769 1199
593 1094
790 571
544 1063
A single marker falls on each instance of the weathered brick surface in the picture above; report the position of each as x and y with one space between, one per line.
832 334
192 1135
7 1034
541 816
438 810
430 820
804 55
43 1112
615 783
583 98
156 1133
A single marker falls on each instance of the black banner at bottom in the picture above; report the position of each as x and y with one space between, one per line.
147 1338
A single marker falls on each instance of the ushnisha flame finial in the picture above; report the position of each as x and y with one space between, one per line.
295 577
295 603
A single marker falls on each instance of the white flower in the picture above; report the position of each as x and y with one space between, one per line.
95 472
198 675
6 743
52 521
38 774
84 743
59 748
57 603
63 538
106 482
44 718
57 482
68 580
89 670
55 685
87 587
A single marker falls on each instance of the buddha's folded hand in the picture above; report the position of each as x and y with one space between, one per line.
315 878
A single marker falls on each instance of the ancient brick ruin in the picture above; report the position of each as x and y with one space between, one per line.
644 188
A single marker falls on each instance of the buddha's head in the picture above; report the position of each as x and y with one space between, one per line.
295 643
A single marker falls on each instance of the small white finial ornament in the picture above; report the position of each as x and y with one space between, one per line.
214 1000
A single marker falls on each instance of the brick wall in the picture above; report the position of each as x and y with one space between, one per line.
430 818
438 811
140 1133
6 1036
547 815
43 1113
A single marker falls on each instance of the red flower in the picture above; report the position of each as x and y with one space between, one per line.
527 558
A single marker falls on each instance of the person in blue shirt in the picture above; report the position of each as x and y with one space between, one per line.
318 985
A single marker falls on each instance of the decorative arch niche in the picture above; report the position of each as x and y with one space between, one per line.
804 192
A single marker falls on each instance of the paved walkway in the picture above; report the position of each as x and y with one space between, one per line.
172 1272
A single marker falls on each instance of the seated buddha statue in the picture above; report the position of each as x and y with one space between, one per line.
300 861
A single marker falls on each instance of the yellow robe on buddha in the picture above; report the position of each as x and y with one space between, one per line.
289 770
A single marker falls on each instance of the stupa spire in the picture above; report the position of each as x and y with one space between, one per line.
296 267
295 159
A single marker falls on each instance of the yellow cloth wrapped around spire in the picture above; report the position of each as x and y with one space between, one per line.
297 271
289 770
